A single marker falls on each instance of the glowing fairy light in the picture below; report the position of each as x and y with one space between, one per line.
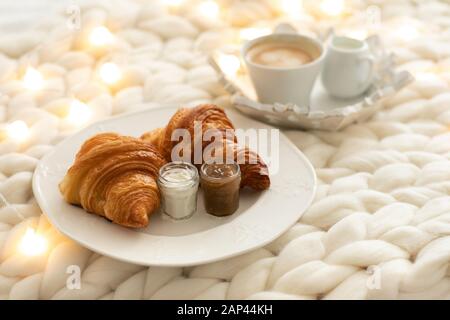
32 244
173 3
33 79
209 9
425 76
407 32
100 36
110 73
79 113
230 64
292 8
18 131
332 7
253 33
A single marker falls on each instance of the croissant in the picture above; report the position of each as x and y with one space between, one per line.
254 172
115 177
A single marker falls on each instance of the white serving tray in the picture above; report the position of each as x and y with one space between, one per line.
325 112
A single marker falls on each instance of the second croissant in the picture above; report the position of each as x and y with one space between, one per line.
210 117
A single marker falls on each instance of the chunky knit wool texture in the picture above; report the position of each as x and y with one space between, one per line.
379 226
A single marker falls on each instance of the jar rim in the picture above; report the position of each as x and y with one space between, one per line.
203 174
182 165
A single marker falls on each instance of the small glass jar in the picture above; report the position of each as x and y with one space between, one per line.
178 183
220 184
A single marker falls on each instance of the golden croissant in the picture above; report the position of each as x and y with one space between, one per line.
115 177
253 170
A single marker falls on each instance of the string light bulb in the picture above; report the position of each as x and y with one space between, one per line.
32 243
332 8
407 32
79 113
209 8
110 73
292 8
18 131
100 36
230 64
425 76
173 3
33 79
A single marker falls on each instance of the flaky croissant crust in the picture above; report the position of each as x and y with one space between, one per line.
254 174
115 176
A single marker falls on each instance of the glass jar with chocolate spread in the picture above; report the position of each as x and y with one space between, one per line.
220 184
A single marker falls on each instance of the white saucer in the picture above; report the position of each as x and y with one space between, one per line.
261 217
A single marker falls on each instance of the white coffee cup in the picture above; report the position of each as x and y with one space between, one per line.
348 67
285 84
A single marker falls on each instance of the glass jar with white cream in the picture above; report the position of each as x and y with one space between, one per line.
178 183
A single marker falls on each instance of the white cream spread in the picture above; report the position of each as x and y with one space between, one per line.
178 183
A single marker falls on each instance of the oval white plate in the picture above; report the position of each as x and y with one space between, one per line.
262 216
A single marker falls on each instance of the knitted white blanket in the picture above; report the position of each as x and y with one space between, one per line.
378 228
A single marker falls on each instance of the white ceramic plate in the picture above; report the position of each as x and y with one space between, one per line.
261 217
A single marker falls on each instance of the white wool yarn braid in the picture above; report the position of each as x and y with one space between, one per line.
379 227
